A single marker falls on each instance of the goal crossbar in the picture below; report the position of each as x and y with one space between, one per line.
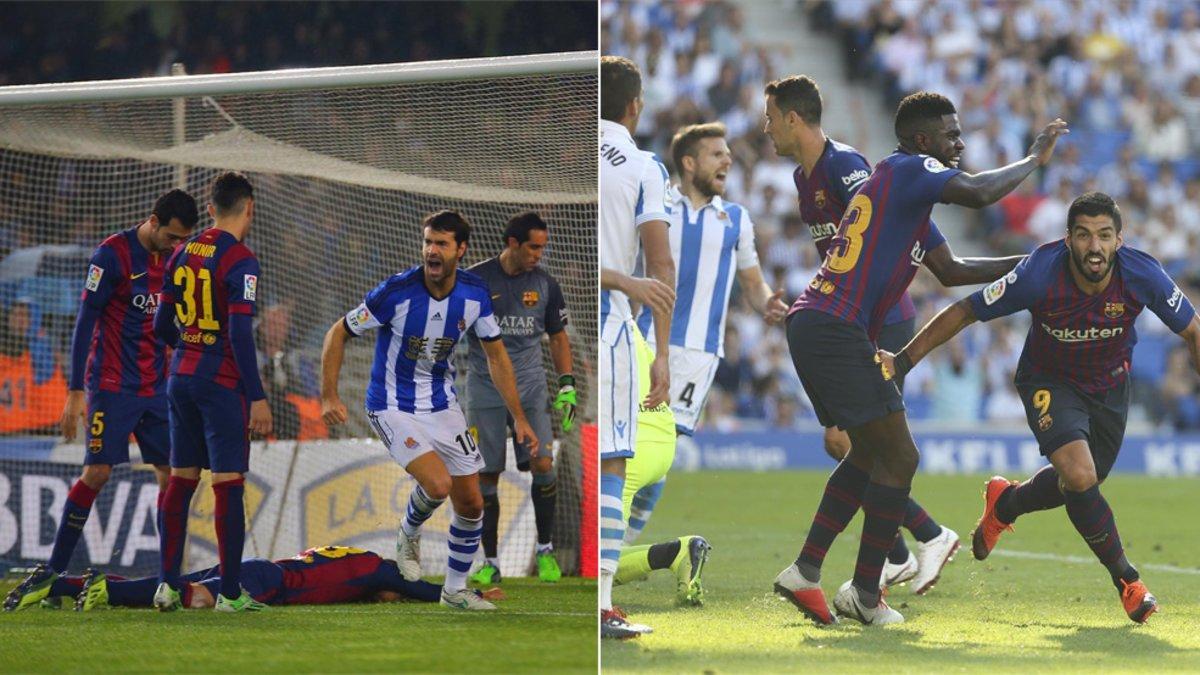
298 79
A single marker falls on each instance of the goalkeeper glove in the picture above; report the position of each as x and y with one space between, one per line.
565 400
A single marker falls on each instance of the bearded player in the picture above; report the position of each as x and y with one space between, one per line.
1084 293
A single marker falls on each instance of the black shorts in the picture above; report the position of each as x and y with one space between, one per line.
1058 413
895 337
836 364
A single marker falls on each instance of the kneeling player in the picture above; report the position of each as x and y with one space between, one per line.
684 556
1084 294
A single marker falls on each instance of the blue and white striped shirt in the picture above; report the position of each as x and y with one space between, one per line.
709 245
413 371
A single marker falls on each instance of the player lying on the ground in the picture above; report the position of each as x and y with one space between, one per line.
684 556
1084 294
318 576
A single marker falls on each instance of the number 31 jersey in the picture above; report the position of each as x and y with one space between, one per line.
209 278
880 242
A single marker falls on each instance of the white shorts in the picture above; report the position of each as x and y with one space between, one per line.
409 435
692 373
618 394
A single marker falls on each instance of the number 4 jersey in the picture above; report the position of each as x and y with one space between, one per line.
880 242
209 278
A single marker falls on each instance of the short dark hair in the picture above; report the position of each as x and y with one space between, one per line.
798 94
519 226
686 139
229 190
449 220
919 109
176 205
620 83
1094 204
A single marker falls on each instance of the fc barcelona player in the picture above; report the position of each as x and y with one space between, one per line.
881 240
318 576
215 394
118 370
1084 293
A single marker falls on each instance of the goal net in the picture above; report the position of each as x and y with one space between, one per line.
345 163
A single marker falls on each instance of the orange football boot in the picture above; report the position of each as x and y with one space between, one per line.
989 529
1139 602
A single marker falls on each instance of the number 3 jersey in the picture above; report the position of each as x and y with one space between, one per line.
880 242
123 283
209 278
413 371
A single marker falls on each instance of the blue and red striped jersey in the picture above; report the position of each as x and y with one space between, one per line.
880 242
839 172
333 574
1086 340
209 278
123 283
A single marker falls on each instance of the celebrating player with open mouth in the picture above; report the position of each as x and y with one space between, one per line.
1084 294
411 400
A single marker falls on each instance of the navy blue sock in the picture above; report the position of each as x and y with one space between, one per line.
75 514
66 586
132 593
491 520
230 518
544 493
1093 519
843 495
899 552
920 523
1039 493
883 511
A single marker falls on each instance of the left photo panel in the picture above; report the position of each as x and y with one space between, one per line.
298 318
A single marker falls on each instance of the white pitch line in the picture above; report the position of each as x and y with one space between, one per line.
1029 555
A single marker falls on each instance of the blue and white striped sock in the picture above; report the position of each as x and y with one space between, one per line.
420 507
612 529
640 510
464 542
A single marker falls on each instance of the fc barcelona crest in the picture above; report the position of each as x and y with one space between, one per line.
1114 309
820 199
530 298
1045 422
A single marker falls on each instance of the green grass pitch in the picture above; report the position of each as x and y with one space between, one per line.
1040 603
548 628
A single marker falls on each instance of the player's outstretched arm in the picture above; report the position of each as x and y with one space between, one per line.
659 297
500 368
987 187
952 270
762 299
333 411
948 323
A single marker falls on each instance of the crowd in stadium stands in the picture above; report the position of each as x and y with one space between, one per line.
1125 74
107 40
44 254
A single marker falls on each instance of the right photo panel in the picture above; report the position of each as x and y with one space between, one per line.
878 280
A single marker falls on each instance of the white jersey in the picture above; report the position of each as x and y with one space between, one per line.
633 190
706 244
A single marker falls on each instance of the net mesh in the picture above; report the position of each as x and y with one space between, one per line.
342 179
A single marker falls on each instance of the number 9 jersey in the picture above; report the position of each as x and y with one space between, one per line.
209 278
880 242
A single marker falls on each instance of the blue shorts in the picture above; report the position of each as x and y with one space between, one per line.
112 417
209 425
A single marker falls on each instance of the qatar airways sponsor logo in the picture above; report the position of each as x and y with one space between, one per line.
517 325
147 302
1089 334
